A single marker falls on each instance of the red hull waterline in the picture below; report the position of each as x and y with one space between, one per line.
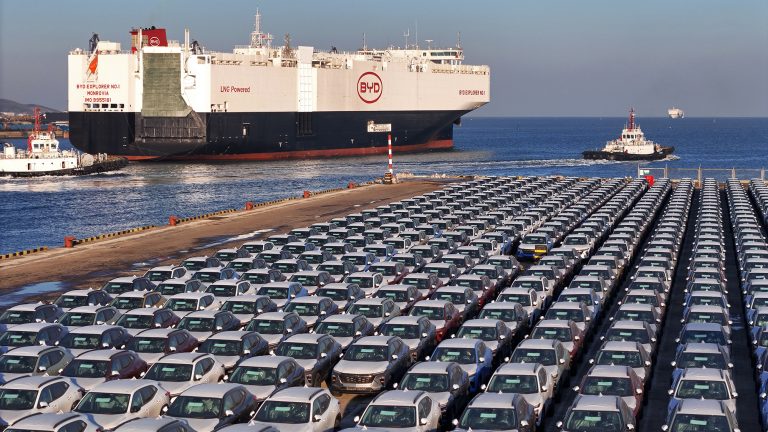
306 154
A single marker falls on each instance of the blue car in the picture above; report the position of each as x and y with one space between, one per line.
473 355
533 246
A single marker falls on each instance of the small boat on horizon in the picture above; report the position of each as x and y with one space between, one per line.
675 113
630 146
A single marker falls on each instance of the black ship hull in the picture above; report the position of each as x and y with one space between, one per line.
110 164
258 136
615 156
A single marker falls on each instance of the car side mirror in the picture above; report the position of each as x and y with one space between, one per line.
229 413
639 391
356 419
198 377
316 418
41 368
544 388
423 421
559 425
289 330
664 428
482 359
562 361
42 404
630 427
283 380
115 373
394 357
386 314
201 308
323 355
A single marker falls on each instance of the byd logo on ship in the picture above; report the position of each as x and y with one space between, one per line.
369 87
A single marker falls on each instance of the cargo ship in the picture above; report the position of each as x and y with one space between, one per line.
165 99
630 146
675 113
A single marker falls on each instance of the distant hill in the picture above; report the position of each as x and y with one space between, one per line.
7 105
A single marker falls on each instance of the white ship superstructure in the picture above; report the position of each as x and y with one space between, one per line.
675 113
164 98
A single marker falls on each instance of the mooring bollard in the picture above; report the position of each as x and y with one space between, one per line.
249 205
69 241
351 185
173 220
307 194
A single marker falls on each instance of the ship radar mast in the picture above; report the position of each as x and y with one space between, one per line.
631 119
259 39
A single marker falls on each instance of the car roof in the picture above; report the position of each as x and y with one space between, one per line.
146 424
196 295
122 279
183 358
157 332
629 324
371 301
217 390
398 397
121 386
278 316
32 327
344 317
26 306
495 400
374 340
481 322
264 361
701 327
620 346
94 329
704 373
31 382
701 347
305 338
453 289
230 335
432 303
596 403
203 314
538 343
142 311
404 320
431 367
309 299
32 350
518 368
79 292
297 394
46 420
99 354
701 406
459 343
609 371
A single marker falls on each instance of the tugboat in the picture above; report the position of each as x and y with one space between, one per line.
630 146
43 157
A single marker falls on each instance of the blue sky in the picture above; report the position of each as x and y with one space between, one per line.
547 57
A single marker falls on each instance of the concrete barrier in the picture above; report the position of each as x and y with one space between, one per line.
24 252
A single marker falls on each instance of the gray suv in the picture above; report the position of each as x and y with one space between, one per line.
370 365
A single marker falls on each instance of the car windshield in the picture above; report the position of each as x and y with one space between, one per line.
77 319
169 372
431 312
244 265
577 298
524 384
158 275
304 309
428 382
700 360
356 259
222 290
458 355
18 338
407 260
362 281
118 287
256 376
506 264
420 283
594 421
335 249
620 358
286 267
690 336
146 345
196 324
488 419
334 269
17 364
642 299
479 332
697 389
611 386
297 350
443 272
128 303
634 315
169 289
703 317
533 239
491 273
523 299
534 285
226 256
81 341
221 347
400 330
72 301
103 403
257 278
17 317
240 307
207 276
368 311
629 335
193 265
266 326
528 355
700 423
476 285
563 334
575 241
276 293
195 407
275 411
135 321
503 314
304 279
81 368
395 295
15 399
182 305
457 298
374 353
389 416
576 315
386 270
336 329
335 294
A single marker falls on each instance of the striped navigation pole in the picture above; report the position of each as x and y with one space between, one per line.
389 176
389 149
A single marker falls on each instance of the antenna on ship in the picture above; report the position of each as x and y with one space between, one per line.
458 40
365 45
257 37
406 34
631 119
429 43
